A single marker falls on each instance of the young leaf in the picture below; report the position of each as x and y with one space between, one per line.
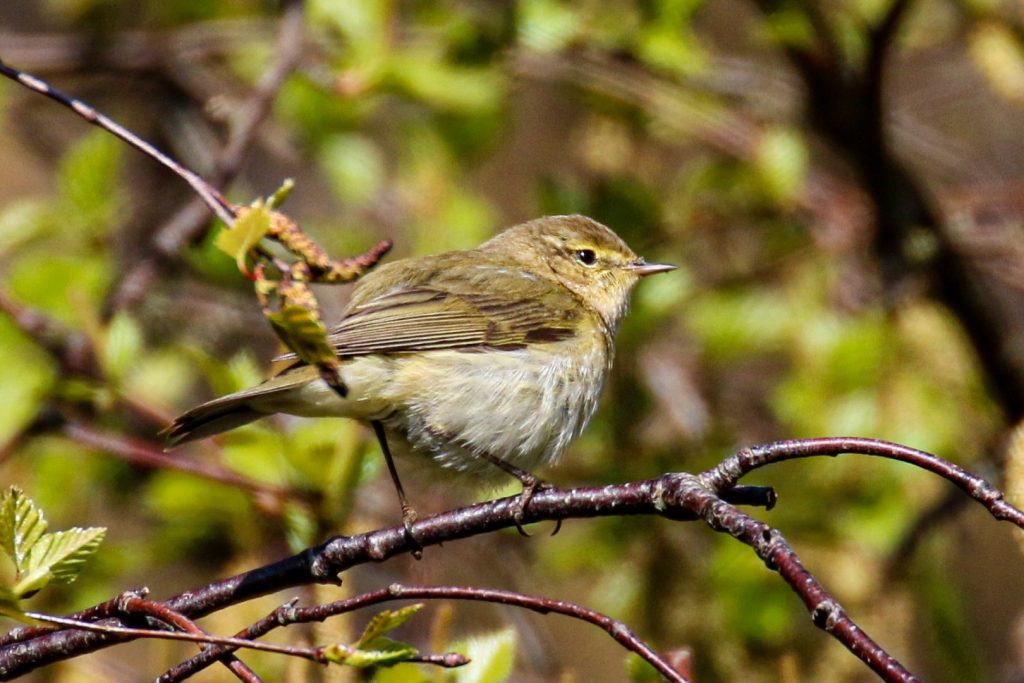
385 652
386 622
21 526
304 333
374 648
39 557
64 552
250 227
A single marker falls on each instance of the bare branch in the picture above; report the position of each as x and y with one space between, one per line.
288 614
190 222
25 649
210 195
147 454
731 470
826 613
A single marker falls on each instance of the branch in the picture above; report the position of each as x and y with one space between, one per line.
826 613
26 649
681 496
210 195
190 222
288 614
132 603
146 454
72 350
731 470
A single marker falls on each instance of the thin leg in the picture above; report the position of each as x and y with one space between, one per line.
531 484
408 514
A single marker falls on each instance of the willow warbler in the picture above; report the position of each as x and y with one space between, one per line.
483 360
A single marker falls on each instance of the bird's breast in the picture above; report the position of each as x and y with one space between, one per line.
523 406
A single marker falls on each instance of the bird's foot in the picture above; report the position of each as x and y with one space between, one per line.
409 518
531 485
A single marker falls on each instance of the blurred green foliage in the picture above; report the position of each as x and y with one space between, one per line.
435 124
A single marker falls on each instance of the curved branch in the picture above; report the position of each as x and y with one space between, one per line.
26 649
826 613
288 614
728 472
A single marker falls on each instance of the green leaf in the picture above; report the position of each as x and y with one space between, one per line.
22 524
492 657
304 333
39 557
386 622
386 652
238 240
374 648
62 554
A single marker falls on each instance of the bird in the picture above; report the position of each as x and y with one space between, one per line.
484 361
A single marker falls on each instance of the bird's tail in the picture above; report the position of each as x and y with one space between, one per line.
234 410
211 418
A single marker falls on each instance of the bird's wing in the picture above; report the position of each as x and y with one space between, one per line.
483 308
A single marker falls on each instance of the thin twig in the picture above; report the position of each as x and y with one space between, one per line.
289 614
132 603
210 195
146 454
731 470
190 222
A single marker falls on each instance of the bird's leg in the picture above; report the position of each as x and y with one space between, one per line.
531 484
408 514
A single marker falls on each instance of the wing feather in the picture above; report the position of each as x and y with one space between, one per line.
464 307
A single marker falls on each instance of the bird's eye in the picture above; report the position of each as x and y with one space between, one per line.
586 256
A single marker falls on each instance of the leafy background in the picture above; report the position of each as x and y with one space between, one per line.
686 126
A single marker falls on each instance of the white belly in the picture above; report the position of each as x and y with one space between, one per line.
521 407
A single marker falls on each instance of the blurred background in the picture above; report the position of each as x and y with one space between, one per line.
840 182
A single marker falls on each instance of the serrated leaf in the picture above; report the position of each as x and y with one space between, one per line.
22 524
57 557
386 652
64 552
385 622
304 333
238 240
38 557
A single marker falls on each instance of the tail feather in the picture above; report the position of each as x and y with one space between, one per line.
209 419
235 410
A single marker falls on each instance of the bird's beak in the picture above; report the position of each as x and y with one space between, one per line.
642 268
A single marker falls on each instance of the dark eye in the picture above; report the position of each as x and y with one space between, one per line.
586 256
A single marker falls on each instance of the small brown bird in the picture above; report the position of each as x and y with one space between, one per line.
484 360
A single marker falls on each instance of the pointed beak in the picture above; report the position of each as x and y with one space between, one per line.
642 268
